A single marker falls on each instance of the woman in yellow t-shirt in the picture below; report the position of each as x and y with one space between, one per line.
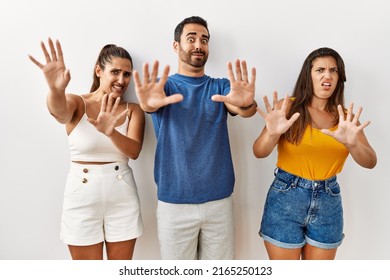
314 133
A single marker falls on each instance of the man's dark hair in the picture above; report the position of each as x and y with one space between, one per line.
193 19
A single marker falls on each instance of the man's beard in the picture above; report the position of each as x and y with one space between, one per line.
197 62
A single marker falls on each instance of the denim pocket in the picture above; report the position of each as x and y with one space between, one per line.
279 185
334 189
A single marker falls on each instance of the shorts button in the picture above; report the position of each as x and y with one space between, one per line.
116 167
119 177
84 180
85 170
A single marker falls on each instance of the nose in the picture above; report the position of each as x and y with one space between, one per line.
327 73
198 45
121 79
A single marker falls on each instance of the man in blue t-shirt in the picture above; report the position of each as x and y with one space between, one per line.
193 165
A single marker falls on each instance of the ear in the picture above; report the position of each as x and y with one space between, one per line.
176 46
98 71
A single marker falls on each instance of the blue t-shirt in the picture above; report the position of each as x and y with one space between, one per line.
193 161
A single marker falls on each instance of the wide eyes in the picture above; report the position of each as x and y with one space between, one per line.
191 40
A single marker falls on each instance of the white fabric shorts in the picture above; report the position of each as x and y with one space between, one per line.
196 231
101 203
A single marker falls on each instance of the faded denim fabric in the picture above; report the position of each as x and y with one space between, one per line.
300 211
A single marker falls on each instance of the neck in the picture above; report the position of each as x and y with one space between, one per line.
191 71
319 104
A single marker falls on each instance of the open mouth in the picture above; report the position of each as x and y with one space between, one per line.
118 87
326 85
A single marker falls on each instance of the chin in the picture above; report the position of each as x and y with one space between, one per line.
119 92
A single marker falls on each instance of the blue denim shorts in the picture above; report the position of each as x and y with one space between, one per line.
298 211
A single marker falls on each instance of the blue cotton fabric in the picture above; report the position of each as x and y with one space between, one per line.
193 161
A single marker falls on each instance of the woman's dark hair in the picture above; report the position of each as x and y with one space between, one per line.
194 19
106 54
303 94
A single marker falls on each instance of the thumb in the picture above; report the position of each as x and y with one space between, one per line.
294 118
174 98
124 113
219 98
261 112
327 132
92 121
67 75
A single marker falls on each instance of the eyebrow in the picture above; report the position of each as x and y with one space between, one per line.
323 67
120 70
194 33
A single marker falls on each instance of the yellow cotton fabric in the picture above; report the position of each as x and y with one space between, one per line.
317 157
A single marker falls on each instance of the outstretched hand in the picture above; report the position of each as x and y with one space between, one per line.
107 120
56 74
275 118
242 92
150 93
348 128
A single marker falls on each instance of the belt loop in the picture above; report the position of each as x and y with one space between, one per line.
327 184
295 183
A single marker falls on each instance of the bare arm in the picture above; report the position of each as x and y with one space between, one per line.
265 144
276 124
245 112
131 145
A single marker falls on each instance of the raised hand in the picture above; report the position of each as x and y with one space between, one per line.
57 76
348 128
150 93
275 118
106 120
242 92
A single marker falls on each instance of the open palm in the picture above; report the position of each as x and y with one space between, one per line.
349 128
242 91
56 74
150 92
107 119
275 118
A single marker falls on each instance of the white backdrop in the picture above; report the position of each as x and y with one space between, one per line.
273 36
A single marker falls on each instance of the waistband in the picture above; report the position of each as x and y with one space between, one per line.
297 181
114 167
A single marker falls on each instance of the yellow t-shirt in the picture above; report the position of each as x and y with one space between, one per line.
317 157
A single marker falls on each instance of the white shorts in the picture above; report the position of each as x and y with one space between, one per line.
100 203
196 231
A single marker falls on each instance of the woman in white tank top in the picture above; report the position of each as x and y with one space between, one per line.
101 205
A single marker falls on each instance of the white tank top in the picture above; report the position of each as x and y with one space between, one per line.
86 143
